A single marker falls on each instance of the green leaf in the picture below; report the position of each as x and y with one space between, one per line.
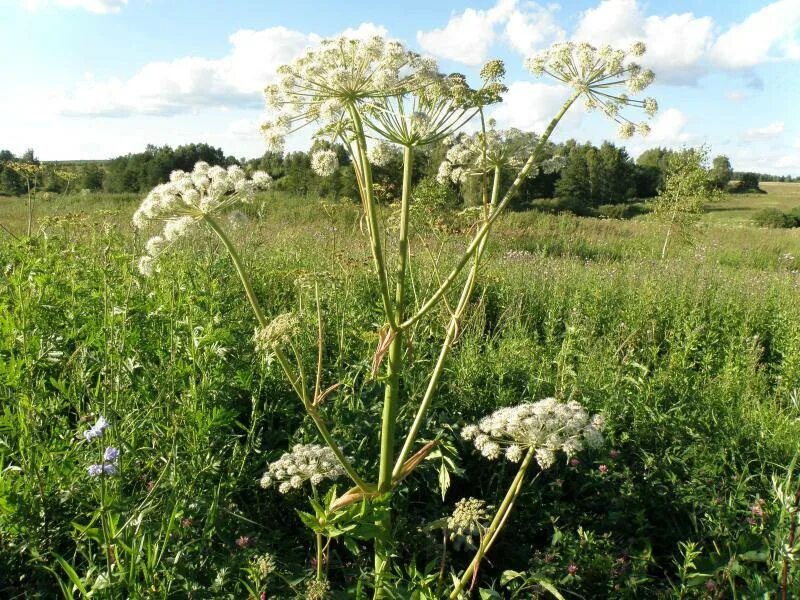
550 588
73 576
444 480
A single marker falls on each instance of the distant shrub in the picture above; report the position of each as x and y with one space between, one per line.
433 195
794 216
620 211
772 217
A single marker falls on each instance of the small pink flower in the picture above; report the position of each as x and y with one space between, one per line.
186 523
710 585
603 469
243 541
614 454
572 569
757 510
574 463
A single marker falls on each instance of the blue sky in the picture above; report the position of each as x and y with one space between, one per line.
98 78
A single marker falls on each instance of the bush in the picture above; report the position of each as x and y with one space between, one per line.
620 211
434 196
772 217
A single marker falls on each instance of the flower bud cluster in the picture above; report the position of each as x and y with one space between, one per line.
600 75
110 455
187 198
468 518
548 426
277 333
264 564
306 462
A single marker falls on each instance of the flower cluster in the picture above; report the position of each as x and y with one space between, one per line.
264 564
306 462
468 518
188 197
481 153
597 74
110 455
109 464
276 333
317 589
96 430
324 162
382 153
322 85
547 426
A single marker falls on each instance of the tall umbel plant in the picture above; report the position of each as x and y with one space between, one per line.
372 96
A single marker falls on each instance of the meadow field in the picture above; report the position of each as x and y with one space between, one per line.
693 360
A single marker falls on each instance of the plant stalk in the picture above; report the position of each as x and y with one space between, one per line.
494 528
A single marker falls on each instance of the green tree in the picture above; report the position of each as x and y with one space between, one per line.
91 177
688 187
721 171
574 189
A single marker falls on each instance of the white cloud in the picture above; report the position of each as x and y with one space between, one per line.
772 33
669 127
183 84
676 44
532 28
736 95
764 133
530 106
99 7
467 36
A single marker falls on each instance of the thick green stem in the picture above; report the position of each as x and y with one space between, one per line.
494 528
534 158
452 329
319 557
391 399
372 215
282 359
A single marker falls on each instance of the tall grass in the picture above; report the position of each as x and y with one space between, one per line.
694 360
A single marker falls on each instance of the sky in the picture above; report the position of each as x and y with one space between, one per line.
93 79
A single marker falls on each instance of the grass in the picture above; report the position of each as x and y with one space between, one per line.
738 209
695 362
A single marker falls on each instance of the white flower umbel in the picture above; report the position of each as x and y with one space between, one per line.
306 462
480 153
188 197
468 519
324 162
321 86
276 334
603 76
547 426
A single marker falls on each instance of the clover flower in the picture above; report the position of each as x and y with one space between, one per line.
597 74
547 426
324 162
96 430
467 519
188 197
306 462
276 333
480 153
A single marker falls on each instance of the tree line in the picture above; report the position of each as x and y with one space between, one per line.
591 177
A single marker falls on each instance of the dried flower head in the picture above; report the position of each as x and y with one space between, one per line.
306 462
547 426
600 75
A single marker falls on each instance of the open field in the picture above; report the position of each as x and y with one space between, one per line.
695 361
740 208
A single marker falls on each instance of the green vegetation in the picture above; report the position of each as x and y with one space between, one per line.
695 363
